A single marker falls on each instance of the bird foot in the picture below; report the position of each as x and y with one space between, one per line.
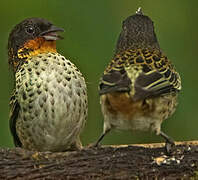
169 147
94 145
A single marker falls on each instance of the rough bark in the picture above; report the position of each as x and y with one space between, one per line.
107 162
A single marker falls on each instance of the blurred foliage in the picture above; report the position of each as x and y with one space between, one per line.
91 31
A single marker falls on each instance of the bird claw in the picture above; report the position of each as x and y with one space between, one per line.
169 147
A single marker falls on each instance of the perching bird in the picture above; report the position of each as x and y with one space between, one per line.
49 103
139 88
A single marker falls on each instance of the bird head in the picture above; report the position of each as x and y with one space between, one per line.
31 37
137 32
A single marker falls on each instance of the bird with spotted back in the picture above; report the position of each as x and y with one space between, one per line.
139 87
48 108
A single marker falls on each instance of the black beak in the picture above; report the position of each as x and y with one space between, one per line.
51 33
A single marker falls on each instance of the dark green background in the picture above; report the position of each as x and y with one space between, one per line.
91 31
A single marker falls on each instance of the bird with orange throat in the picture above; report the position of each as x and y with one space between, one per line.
48 107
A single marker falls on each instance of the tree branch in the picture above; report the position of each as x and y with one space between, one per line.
108 162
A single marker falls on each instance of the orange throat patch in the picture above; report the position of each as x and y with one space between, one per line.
32 48
36 46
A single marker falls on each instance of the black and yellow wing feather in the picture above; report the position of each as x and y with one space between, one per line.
143 73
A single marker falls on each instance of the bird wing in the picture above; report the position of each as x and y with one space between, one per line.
14 111
114 81
142 73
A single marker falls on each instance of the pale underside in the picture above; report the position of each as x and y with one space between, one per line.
121 112
52 96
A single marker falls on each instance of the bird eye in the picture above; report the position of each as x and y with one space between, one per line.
30 29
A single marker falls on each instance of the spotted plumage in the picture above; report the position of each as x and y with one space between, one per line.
144 73
49 102
139 87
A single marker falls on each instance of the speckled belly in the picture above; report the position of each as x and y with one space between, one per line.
53 103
